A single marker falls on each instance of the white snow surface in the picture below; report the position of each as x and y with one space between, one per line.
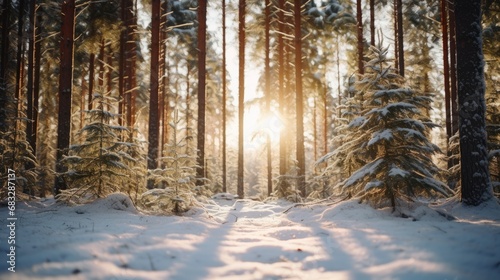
245 239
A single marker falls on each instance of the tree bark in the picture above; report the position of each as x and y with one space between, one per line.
476 186
153 129
372 22
281 81
299 102
224 97
202 45
453 68
31 110
401 49
268 93
65 89
446 72
4 46
359 28
91 80
241 99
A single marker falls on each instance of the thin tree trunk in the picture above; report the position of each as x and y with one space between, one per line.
401 49
30 87
153 129
241 99
65 89
476 185
446 72
121 66
84 87
130 88
4 50
359 25
299 102
396 47
268 93
91 80
372 22
224 97
202 45
281 81
453 68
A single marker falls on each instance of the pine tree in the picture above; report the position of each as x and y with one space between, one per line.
98 166
389 139
178 176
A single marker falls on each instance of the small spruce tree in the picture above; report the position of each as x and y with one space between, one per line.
177 178
98 166
389 139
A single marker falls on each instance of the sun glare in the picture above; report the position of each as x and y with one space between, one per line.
258 126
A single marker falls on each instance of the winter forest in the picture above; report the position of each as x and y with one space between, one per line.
259 112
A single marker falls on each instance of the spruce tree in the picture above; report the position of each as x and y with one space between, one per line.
98 166
177 176
389 139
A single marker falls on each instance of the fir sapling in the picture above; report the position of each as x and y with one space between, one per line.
98 166
175 179
387 149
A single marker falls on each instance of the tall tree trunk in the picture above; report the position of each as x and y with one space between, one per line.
202 45
91 80
30 87
224 97
299 101
121 65
281 81
359 28
153 129
4 53
453 69
446 72
401 49
372 22
130 85
268 93
241 98
476 186
65 88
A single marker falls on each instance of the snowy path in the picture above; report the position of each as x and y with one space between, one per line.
252 240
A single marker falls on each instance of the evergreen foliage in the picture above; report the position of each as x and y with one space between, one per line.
101 164
389 139
177 175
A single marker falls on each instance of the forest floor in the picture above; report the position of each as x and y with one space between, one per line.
244 239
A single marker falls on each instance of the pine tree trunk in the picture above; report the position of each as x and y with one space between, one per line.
91 80
476 186
268 93
241 99
299 102
30 87
453 69
153 129
121 66
224 97
65 88
372 22
281 81
401 49
202 45
446 74
4 50
359 25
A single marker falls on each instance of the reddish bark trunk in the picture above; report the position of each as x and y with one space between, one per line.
65 88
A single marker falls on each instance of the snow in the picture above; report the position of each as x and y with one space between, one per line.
245 239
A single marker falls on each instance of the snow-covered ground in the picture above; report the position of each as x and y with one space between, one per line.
244 239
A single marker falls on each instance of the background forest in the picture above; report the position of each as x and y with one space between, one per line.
172 100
